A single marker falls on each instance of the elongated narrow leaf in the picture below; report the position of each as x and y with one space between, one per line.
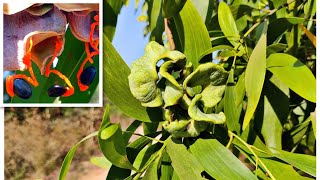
204 7
218 161
282 12
143 156
136 146
152 171
254 77
116 86
166 168
240 90
116 173
101 162
227 23
306 163
277 168
216 48
156 22
129 131
171 8
294 74
184 163
310 8
279 26
240 10
231 110
300 130
275 111
314 123
271 128
68 159
193 46
274 48
112 143
274 166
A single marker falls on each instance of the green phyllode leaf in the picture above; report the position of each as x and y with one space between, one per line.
228 24
152 171
184 163
112 143
218 161
172 7
278 27
277 168
306 163
255 75
68 159
294 74
194 41
101 162
231 107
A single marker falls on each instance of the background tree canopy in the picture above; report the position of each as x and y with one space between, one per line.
267 95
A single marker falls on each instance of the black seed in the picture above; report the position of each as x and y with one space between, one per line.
91 49
56 90
87 75
22 89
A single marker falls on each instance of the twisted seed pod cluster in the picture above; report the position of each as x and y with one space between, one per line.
187 96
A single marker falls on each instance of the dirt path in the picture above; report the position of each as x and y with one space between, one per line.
95 174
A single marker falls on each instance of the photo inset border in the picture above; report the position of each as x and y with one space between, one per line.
52 54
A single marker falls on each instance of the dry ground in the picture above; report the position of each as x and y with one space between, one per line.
37 139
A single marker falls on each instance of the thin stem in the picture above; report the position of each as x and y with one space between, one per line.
230 141
265 17
254 154
169 34
234 62
137 176
153 139
153 157
253 147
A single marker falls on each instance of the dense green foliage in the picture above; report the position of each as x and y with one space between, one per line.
267 48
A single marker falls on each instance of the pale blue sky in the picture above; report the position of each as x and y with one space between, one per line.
128 39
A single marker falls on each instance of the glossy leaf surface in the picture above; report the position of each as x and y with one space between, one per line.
294 74
192 46
218 161
255 75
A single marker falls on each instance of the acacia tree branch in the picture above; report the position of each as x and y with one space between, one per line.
265 17
169 34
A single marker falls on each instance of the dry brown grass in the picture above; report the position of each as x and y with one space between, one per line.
37 139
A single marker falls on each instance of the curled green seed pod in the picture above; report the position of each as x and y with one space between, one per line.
189 96
183 126
144 76
196 114
212 95
171 94
206 74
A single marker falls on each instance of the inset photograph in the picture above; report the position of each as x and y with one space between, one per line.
51 54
